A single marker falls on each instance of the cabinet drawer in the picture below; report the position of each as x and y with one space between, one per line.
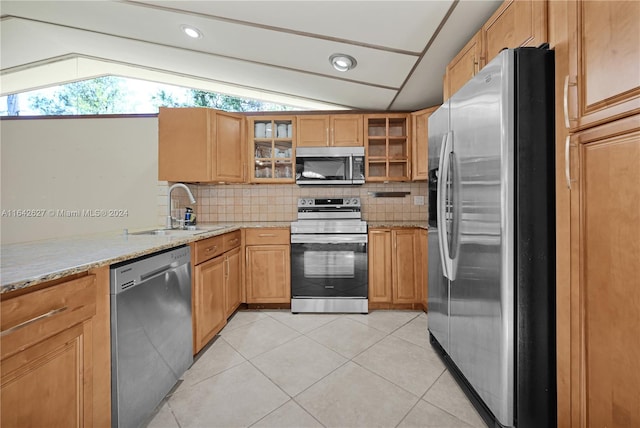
267 236
231 240
207 249
33 317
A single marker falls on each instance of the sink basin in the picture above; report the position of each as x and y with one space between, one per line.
191 230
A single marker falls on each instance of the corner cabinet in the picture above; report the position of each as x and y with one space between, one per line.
268 265
272 149
420 143
330 130
387 147
200 145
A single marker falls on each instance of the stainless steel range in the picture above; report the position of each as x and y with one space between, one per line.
329 257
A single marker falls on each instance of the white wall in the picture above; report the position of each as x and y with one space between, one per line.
77 164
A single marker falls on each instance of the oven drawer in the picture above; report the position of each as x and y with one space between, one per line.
267 236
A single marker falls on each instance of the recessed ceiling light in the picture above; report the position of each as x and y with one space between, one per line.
192 32
343 62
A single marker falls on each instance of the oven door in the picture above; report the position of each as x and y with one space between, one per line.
329 266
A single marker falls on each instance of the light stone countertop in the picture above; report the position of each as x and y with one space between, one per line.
29 263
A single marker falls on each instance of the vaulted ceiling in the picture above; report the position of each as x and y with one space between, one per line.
270 50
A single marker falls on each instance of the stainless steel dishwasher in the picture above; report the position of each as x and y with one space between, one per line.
151 335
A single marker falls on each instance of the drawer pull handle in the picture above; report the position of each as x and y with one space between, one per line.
32 320
215 247
233 241
265 235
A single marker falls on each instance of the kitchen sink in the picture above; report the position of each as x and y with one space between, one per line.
191 230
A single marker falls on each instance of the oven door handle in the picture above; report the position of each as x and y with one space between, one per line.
329 239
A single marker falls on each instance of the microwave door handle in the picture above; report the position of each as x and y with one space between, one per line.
351 160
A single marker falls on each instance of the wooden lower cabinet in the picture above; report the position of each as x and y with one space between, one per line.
210 312
55 351
268 273
233 291
603 309
216 286
268 265
396 268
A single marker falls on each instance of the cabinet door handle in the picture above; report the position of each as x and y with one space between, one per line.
565 101
215 247
32 320
567 161
327 136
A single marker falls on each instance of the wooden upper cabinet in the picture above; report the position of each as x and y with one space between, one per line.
200 145
272 145
388 147
464 66
420 143
515 24
603 83
330 130
346 130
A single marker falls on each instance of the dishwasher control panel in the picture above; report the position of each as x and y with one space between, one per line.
130 273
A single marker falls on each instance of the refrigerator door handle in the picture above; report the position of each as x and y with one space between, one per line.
456 213
441 203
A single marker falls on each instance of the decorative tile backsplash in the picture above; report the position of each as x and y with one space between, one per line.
278 202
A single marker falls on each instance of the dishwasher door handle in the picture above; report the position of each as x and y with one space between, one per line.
157 272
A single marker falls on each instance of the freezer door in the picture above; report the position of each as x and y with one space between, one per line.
481 294
438 298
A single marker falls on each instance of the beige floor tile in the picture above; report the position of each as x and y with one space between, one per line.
354 397
242 318
290 415
258 337
219 357
346 336
304 323
425 415
409 366
415 331
237 397
386 321
298 364
164 418
447 395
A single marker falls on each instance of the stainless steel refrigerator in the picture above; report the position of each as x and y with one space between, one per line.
491 302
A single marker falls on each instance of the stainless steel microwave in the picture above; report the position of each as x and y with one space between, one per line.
329 165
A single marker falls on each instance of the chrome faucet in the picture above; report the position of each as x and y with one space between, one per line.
169 223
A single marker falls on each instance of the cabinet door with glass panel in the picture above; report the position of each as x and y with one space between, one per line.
272 149
388 147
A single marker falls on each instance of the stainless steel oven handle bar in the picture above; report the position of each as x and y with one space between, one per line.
342 238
